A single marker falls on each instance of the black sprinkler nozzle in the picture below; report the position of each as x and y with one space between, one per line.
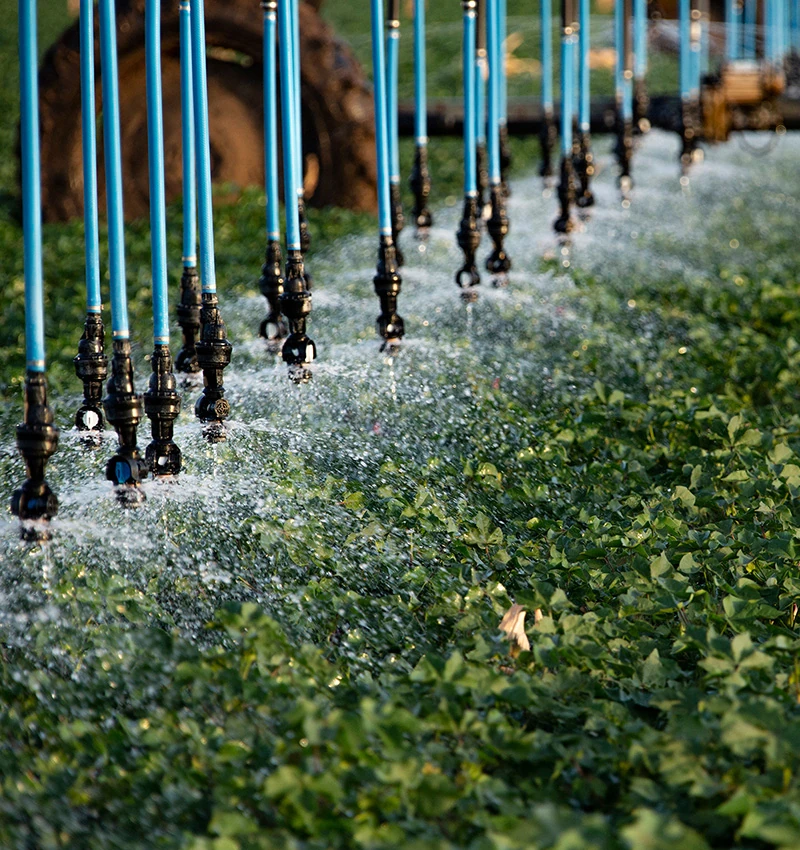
498 263
299 351
188 311
420 183
690 130
124 411
162 404
37 439
641 103
214 356
469 240
564 224
584 171
505 159
398 220
623 151
388 283
548 136
91 366
273 328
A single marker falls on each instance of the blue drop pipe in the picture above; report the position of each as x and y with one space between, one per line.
481 76
619 42
291 124
188 143
392 75
694 56
208 271
271 124
89 144
684 40
471 100
113 157
155 162
494 44
567 86
769 31
420 76
733 14
584 45
502 47
31 187
297 104
795 25
705 46
639 39
546 15
750 19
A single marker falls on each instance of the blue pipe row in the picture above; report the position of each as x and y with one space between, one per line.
271 124
188 143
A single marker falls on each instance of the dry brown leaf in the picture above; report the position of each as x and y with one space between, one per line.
513 624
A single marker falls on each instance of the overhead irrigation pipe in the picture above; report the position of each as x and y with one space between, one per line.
124 408
548 133
273 327
469 235
37 437
584 162
213 347
91 363
387 280
162 403
420 179
564 223
623 79
392 72
188 309
481 82
299 351
498 262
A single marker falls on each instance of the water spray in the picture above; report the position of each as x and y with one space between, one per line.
498 263
564 224
162 403
584 161
188 309
420 179
273 328
623 79
641 100
37 437
469 235
213 348
91 363
548 134
123 407
392 72
299 351
387 280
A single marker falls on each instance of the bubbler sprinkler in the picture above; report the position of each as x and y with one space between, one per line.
624 95
188 308
481 81
37 437
584 160
564 224
641 100
498 263
468 234
273 327
162 403
299 351
387 280
213 347
122 405
91 363
548 135
420 179
392 71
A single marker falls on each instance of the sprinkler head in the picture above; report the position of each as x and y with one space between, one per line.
584 171
498 263
35 504
564 224
162 404
299 351
420 183
213 355
398 221
91 366
624 153
387 282
273 327
468 237
188 311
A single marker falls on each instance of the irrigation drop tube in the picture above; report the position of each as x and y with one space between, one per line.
716 94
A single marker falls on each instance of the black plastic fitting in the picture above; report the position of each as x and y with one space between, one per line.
469 240
398 220
584 171
91 367
214 356
498 262
299 351
37 439
623 150
387 282
162 404
548 136
188 311
564 224
305 233
482 177
420 183
505 160
124 410
273 328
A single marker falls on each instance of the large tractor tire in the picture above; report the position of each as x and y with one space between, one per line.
338 127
